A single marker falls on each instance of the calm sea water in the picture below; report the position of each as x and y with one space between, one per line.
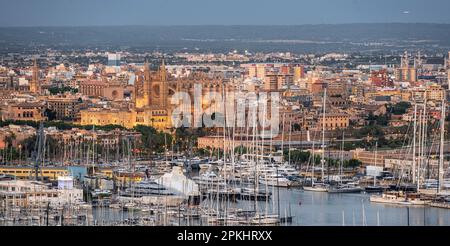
323 209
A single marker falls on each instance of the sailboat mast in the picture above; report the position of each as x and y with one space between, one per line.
323 133
441 147
341 171
420 149
376 152
413 168
289 144
93 149
313 164
40 151
424 132
282 136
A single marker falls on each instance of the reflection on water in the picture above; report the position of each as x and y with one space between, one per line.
321 208
318 209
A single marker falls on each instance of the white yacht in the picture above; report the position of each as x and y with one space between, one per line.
345 188
209 178
397 198
265 220
288 170
317 187
275 180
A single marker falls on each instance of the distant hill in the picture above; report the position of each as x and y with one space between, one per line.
303 38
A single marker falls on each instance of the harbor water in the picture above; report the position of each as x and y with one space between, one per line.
313 209
324 209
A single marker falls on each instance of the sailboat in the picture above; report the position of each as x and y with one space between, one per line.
374 188
319 187
405 198
344 188
274 179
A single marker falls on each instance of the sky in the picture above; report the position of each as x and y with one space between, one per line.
219 12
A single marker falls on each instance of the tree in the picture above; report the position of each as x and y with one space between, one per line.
400 108
297 156
382 120
62 90
50 114
371 130
354 163
296 127
9 140
332 162
153 140
203 152
240 150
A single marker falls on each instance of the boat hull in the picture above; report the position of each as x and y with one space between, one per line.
346 190
315 189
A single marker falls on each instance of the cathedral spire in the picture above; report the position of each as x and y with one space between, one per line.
34 85
146 70
146 65
162 71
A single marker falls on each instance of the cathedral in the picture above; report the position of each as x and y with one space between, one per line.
151 94
151 99
149 105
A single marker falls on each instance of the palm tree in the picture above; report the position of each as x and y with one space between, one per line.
9 140
152 120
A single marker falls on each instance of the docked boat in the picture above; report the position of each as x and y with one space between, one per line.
374 189
209 179
224 194
287 171
345 188
398 198
115 206
254 194
317 187
265 220
205 166
146 188
275 180
178 182
446 184
130 206
101 193
430 184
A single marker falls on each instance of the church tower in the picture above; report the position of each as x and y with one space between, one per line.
142 88
158 88
163 85
147 81
34 84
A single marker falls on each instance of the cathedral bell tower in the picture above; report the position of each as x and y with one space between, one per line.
158 88
142 88
34 84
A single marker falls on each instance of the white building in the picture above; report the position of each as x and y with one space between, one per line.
25 193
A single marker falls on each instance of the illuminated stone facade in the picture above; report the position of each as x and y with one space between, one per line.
26 111
35 86
334 121
151 99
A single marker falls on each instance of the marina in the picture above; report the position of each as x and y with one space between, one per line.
303 125
306 208
258 188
